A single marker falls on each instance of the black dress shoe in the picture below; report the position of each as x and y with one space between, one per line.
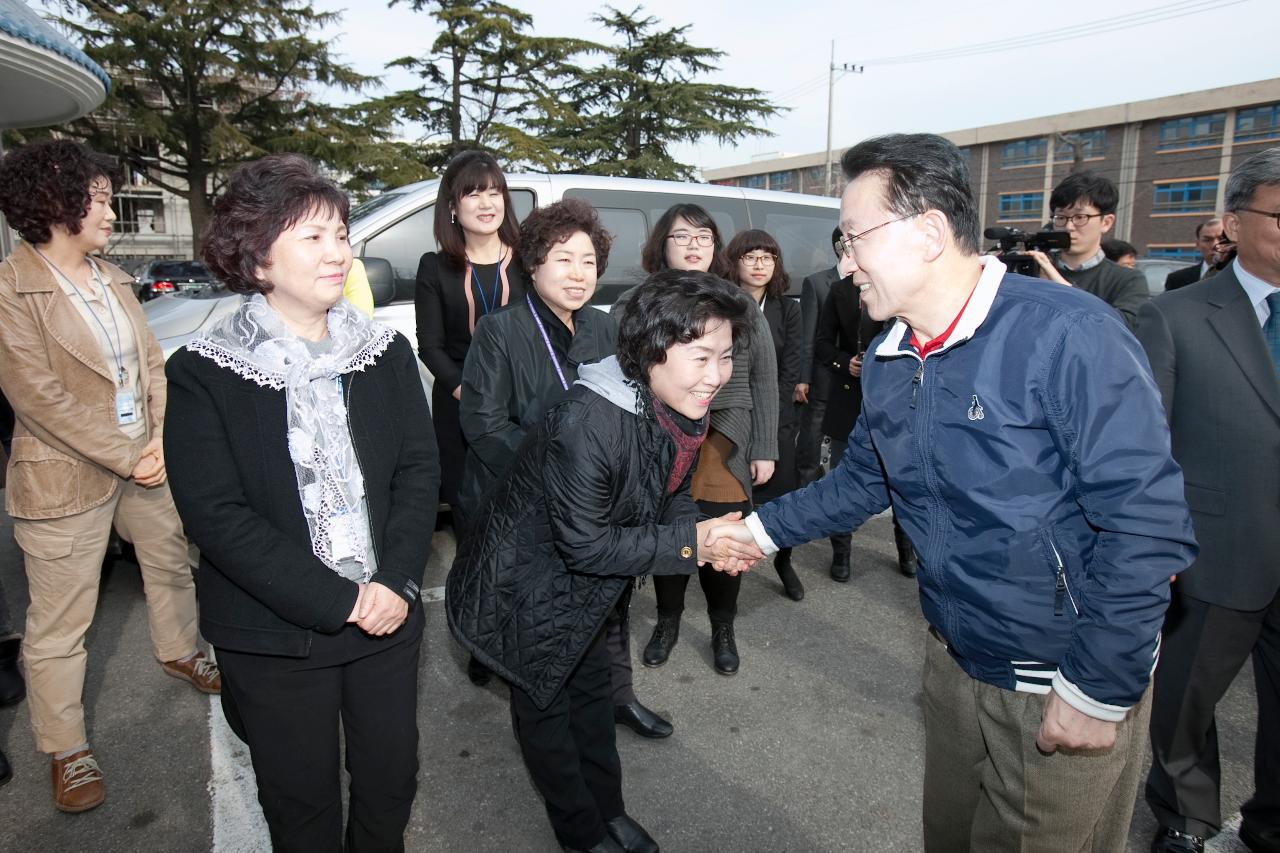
630 835
790 582
641 720
1260 841
1168 840
478 672
665 635
840 566
12 687
608 845
724 651
6 772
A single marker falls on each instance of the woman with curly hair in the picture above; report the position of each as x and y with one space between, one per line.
85 377
596 495
758 268
304 465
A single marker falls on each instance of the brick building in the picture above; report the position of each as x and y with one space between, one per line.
1169 157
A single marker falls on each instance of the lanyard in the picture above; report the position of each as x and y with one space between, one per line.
497 283
117 346
551 351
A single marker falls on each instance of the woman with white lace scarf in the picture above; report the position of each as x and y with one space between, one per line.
305 468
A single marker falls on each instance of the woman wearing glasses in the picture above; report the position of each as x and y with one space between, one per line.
758 269
741 447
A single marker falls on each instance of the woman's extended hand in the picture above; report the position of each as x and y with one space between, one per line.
381 611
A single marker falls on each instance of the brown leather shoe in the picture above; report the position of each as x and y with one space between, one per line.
199 670
77 782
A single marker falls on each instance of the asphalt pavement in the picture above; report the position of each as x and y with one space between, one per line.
815 745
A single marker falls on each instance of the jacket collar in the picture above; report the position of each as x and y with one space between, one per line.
984 294
32 274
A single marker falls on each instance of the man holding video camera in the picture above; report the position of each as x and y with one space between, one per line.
1084 205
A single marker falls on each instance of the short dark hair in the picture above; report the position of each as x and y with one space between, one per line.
836 236
1116 249
751 240
1086 187
653 255
673 307
922 172
466 173
1210 221
46 183
1259 169
555 223
264 198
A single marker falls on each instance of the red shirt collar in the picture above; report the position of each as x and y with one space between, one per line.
936 343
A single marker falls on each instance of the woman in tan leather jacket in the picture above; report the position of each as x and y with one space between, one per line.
85 377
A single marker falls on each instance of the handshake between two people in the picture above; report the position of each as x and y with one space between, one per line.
727 544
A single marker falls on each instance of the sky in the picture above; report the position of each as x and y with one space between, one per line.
986 61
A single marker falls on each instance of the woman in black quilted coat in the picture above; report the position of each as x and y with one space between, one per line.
597 495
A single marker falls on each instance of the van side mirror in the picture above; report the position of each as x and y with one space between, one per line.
382 280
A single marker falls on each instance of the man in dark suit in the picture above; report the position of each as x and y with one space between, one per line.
1207 234
811 393
1215 353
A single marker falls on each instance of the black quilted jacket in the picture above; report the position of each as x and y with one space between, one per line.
580 513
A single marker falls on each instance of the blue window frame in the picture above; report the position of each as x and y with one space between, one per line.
752 182
1174 253
1185 196
1192 131
1025 152
1258 123
1021 206
785 181
1095 145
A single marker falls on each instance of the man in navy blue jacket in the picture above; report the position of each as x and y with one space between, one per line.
1015 428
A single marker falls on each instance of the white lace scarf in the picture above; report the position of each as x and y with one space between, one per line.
255 343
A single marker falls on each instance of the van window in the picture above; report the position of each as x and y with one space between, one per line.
404 243
632 214
804 234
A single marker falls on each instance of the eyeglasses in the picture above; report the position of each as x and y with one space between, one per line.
763 259
684 238
1060 220
845 244
1274 214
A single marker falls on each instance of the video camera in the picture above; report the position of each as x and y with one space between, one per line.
1008 241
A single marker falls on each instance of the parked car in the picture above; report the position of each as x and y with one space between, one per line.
390 232
1157 270
161 278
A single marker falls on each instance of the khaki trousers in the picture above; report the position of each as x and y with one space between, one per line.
64 566
988 789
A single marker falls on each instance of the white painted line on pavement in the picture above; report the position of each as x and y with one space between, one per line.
238 825
1228 840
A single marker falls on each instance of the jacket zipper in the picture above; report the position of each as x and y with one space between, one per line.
355 451
1061 592
916 381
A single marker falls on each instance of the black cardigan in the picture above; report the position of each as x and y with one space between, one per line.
844 330
260 586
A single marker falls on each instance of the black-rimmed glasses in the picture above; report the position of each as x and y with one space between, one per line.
684 238
1060 220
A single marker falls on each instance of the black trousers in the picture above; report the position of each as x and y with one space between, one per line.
721 589
570 750
617 638
288 709
1203 649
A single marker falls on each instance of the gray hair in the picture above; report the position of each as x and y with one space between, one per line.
1261 168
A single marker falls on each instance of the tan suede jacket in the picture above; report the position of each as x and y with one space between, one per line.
68 454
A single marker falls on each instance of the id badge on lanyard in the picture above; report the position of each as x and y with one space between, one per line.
126 404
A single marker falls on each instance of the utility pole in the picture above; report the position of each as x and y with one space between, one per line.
846 68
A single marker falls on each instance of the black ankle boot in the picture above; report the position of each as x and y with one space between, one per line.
790 581
665 635
840 565
907 561
724 651
12 687
630 835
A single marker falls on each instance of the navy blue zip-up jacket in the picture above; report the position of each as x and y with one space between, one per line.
1029 462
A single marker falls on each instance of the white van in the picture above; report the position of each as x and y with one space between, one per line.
390 232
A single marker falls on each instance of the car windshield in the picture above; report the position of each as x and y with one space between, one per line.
179 269
373 205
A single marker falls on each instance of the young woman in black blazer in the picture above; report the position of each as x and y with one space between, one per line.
474 272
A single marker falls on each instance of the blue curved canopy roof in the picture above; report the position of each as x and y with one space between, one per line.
45 78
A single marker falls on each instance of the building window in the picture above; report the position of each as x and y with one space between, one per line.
1021 206
1196 196
1095 145
1192 131
140 214
785 181
1025 152
1258 123
1174 253
752 182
